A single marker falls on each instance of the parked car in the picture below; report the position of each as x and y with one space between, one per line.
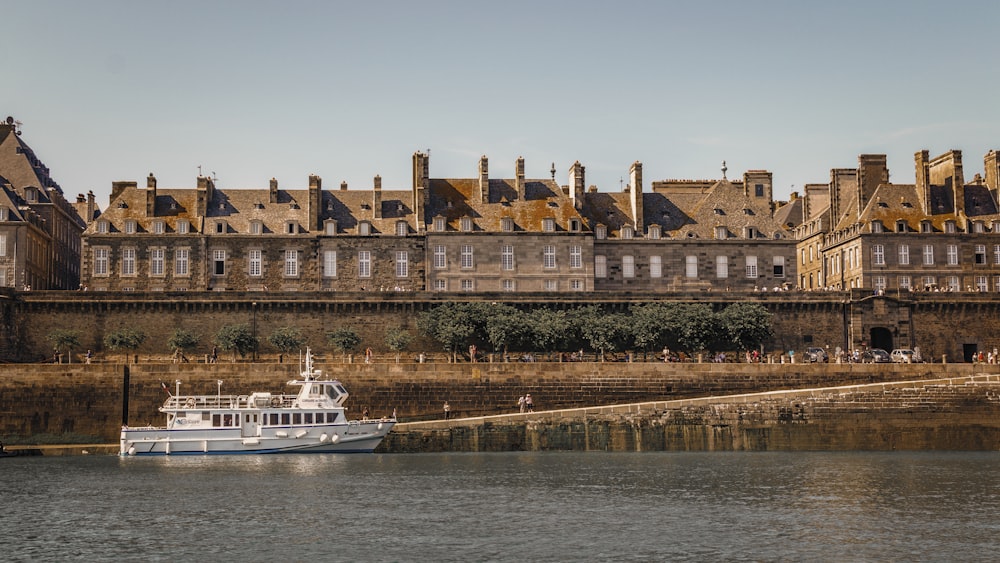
817 355
902 355
876 356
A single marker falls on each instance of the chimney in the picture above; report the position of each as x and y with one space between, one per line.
80 198
377 198
483 195
576 183
923 179
206 193
421 187
842 183
519 177
272 196
343 186
151 195
872 171
118 187
992 166
315 200
635 195
946 170
91 207
758 184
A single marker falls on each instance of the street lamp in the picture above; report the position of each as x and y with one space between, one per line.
254 307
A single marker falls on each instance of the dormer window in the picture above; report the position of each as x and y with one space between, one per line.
876 226
183 227
256 227
103 227
949 227
292 227
439 224
627 232
220 227
548 225
654 232
402 229
747 211
978 227
749 232
719 211
721 233
4 214
574 225
466 224
158 227
507 225
330 227
901 226
926 227
31 194
329 205
364 228
222 206
601 232
777 235
130 227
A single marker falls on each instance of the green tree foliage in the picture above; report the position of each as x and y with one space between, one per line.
695 327
67 340
551 330
604 332
746 325
506 328
453 325
287 339
397 339
238 338
125 339
182 340
344 340
650 326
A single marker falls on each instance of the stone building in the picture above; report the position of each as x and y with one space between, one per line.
39 230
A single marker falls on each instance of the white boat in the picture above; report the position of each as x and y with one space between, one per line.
313 420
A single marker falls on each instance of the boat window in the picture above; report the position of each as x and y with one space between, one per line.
309 418
330 392
216 420
206 415
319 418
297 418
284 418
227 420
274 419
341 390
332 418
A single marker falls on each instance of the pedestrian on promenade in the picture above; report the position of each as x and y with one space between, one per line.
215 354
368 355
365 413
528 403
520 404
447 410
89 355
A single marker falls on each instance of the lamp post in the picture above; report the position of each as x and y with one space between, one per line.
254 307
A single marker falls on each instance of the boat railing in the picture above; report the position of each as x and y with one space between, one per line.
202 402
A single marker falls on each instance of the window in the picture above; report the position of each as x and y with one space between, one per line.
751 266
654 232
549 257
402 229
996 283
181 262
220 227
575 256
330 228
548 225
440 285
952 254
691 267
256 227
102 227
877 226
928 255
982 284
156 258
600 266
601 232
551 285
655 267
509 285
750 232
949 227
468 285
130 227
574 225
758 190
440 258
402 264
158 227
3 244
364 264
507 257
878 255
254 263
926 227
219 262
465 224
721 233
904 255
879 282
100 261
953 284
183 227
996 254
467 257
929 282
364 228
128 261
900 226
627 232
978 227
507 225
980 254
330 263
722 267
904 282
779 266
439 225
628 266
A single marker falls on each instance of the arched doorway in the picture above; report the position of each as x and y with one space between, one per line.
881 337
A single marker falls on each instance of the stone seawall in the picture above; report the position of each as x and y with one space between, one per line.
81 402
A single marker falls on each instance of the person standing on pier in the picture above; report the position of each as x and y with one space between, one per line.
447 410
529 404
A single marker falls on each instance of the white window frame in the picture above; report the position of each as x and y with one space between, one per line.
928 255
575 256
183 227
778 266
157 257
576 285
255 262
218 258
654 232
256 228
130 227
128 262
364 264
952 254
601 232
182 258
548 225
402 229
691 267
509 285
101 261
158 227
468 285
627 232
879 282
655 266
440 285
440 257
980 254
628 266
721 267
507 225
904 255
904 282
549 257
402 264
954 284
600 266
751 267
465 224
878 255
507 257
329 263
439 225
982 283
468 256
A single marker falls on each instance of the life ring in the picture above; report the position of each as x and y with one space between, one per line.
275 402
190 403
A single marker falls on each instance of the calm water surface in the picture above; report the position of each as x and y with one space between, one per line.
504 507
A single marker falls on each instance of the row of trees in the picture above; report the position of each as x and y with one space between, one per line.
690 328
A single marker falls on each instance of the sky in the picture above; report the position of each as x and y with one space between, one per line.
251 90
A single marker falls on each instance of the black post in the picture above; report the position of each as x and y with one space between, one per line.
254 306
125 385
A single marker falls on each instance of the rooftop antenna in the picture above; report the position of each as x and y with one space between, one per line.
724 169
553 171
199 171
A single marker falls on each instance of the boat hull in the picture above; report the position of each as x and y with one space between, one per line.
354 437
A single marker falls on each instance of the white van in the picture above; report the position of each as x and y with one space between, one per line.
902 355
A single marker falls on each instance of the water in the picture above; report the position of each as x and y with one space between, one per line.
504 507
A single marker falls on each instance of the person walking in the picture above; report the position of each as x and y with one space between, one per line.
520 404
529 404
447 410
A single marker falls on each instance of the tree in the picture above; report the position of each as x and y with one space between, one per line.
125 339
746 325
238 338
182 341
397 340
62 339
649 326
451 324
287 339
695 326
506 327
603 332
550 330
344 340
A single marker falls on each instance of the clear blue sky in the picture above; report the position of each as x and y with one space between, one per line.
347 90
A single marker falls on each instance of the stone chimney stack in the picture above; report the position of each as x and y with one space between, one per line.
315 201
922 173
118 187
272 194
577 183
991 163
151 195
377 198
91 206
635 196
483 192
519 178
206 192
343 186
421 186
872 171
